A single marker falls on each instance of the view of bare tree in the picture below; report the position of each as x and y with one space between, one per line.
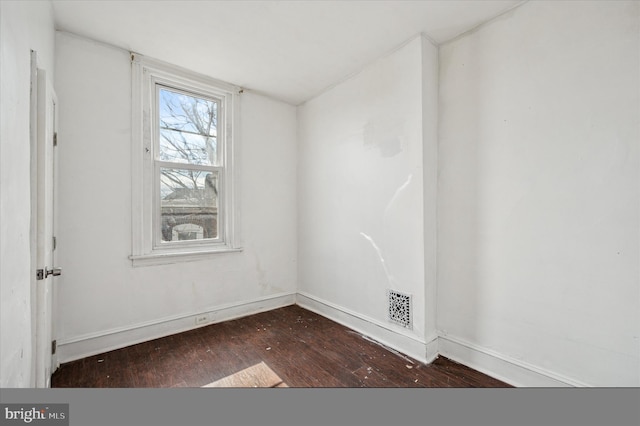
188 136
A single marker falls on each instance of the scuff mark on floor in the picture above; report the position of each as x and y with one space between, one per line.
406 358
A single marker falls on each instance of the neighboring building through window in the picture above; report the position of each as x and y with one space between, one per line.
184 186
188 165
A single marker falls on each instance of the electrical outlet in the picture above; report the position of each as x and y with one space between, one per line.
202 319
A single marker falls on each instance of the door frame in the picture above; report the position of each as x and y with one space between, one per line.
43 128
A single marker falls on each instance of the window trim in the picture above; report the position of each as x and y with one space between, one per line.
147 73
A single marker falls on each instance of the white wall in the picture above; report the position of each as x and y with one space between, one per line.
539 193
361 194
105 302
23 26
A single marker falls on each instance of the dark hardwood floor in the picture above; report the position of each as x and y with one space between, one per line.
304 349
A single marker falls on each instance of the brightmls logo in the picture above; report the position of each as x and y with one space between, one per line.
37 414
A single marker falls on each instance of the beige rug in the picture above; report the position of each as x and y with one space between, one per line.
256 376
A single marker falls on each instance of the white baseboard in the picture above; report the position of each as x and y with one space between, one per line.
372 329
514 372
96 343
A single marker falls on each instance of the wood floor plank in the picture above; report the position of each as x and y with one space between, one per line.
300 347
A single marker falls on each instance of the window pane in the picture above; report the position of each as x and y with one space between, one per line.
188 204
188 128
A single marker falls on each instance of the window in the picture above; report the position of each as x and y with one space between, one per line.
183 164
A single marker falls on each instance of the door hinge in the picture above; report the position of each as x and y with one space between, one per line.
39 274
55 243
55 139
54 345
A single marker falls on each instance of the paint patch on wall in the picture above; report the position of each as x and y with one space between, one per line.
387 137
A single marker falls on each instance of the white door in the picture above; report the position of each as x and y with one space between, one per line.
46 268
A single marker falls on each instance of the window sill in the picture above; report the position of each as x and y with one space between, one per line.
177 257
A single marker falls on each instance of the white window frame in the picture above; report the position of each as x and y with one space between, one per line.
147 75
